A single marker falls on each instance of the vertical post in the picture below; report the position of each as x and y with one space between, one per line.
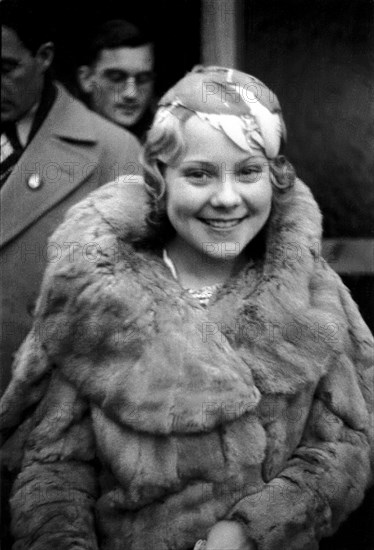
221 24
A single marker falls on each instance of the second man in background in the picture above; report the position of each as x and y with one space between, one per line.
118 77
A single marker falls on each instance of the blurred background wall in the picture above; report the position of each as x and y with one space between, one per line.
318 57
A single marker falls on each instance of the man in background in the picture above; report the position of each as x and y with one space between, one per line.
54 151
118 76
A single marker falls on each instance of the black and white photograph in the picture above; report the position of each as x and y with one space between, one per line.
187 275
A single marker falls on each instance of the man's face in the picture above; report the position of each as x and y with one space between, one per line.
22 77
120 83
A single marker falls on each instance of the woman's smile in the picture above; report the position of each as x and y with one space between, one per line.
222 224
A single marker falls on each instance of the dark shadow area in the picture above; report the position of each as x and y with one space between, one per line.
317 57
175 27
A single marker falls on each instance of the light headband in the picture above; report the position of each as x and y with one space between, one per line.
233 102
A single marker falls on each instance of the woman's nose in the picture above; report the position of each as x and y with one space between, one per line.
226 195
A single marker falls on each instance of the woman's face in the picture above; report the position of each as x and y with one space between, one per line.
218 196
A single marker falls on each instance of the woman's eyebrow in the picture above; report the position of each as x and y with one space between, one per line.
200 164
254 158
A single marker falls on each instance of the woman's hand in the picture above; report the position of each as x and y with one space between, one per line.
227 535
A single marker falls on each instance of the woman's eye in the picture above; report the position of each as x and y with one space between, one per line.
250 173
199 176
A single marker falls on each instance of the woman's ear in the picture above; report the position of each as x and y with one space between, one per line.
45 55
84 77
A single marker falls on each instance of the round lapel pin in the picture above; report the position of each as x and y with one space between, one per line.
34 181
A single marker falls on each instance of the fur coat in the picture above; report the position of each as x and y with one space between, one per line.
144 418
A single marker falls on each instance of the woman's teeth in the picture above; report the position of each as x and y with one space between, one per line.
223 224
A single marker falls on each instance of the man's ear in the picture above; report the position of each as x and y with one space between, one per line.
45 55
84 76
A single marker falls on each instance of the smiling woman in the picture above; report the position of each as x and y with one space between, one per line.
204 380
211 162
218 199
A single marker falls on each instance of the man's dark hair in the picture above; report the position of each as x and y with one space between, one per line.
116 33
27 22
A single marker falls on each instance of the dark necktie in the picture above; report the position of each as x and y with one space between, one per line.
11 151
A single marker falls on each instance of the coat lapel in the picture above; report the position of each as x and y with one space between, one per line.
62 155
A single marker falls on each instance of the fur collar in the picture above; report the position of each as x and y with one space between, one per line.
125 333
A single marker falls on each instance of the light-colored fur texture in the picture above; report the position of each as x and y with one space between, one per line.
152 417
